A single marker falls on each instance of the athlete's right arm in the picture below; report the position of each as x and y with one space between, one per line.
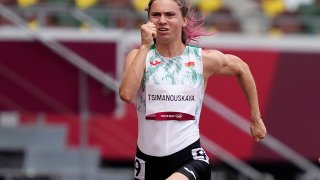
135 64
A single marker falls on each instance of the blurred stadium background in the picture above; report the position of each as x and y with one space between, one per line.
60 66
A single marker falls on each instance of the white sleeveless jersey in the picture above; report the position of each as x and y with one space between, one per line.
169 102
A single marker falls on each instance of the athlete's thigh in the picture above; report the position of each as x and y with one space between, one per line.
195 170
177 176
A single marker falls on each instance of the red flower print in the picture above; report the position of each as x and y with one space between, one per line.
189 64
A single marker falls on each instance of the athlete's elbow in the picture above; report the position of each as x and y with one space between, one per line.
126 96
245 67
242 68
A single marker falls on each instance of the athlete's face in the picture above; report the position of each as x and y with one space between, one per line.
167 17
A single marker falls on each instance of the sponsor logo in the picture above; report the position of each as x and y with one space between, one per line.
191 172
178 116
155 62
139 170
200 154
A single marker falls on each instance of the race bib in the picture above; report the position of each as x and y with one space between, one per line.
200 154
171 102
139 170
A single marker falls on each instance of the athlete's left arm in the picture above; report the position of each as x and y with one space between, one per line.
233 66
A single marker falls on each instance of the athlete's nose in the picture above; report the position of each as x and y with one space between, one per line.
162 19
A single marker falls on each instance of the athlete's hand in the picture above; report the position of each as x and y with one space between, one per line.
148 33
258 129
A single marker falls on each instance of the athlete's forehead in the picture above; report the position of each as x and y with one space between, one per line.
164 6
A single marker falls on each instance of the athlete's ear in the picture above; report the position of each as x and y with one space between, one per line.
185 22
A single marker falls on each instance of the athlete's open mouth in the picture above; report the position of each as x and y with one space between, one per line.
163 29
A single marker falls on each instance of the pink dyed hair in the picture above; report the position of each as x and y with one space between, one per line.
194 27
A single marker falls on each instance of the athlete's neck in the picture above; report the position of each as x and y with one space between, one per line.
170 50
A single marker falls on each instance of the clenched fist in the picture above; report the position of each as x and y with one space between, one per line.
258 129
148 33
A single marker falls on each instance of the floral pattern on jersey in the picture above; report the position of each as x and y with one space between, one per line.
173 70
162 70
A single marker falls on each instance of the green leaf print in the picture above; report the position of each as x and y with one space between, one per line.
197 54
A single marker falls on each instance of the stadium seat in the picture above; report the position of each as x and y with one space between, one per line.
273 7
140 5
286 23
26 3
222 20
56 2
310 14
84 4
8 2
208 6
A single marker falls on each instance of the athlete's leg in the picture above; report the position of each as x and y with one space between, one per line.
194 170
177 176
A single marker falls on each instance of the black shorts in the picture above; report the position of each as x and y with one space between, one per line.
192 162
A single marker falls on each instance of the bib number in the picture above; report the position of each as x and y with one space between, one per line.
200 154
139 168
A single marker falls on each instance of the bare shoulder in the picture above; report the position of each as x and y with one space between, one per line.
212 56
213 60
211 52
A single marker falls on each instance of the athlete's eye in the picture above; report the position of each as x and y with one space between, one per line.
170 14
155 14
